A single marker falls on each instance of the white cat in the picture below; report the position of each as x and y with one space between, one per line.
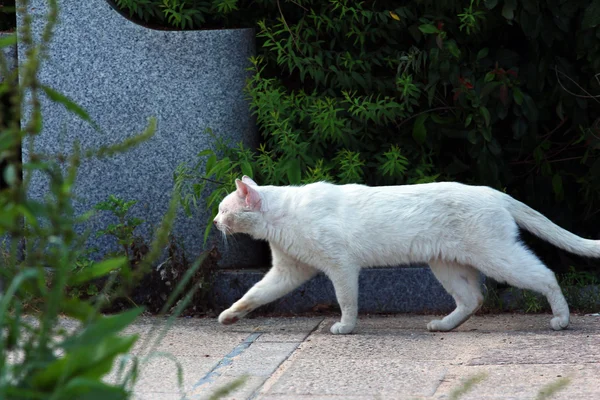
457 229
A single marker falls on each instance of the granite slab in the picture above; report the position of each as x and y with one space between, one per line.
123 74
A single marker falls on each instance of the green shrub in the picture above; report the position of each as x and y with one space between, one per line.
191 14
123 230
496 94
503 94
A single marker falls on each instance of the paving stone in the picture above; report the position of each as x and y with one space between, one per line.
260 359
359 376
250 385
520 382
543 349
389 357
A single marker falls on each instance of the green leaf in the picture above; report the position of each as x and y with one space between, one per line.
490 4
102 327
508 11
207 230
77 309
205 153
490 76
483 53
91 389
560 111
10 175
419 132
92 361
97 270
591 16
246 168
486 115
487 134
517 95
8 40
529 108
468 120
293 171
489 88
472 136
9 295
68 103
428 28
210 164
453 48
557 184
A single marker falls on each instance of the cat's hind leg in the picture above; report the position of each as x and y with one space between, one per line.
285 276
521 268
463 284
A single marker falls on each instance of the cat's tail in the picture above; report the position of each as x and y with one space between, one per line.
534 222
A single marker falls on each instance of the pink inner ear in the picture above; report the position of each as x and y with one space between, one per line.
252 197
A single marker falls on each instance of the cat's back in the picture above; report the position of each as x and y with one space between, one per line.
437 191
318 195
328 198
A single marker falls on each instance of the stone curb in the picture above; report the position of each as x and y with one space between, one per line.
382 290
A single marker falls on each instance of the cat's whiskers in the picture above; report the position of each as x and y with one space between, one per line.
233 237
224 238
226 235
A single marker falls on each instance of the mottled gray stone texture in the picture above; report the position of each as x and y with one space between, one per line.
123 74
382 290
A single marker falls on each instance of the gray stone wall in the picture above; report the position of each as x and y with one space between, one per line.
122 74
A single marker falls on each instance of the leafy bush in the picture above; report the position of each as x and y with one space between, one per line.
7 16
188 14
41 254
123 230
150 287
500 93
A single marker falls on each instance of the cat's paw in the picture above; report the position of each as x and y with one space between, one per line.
228 317
437 325
341 329
559 323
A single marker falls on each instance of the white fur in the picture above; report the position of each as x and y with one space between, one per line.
457 229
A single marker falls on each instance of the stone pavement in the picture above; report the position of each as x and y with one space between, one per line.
388 357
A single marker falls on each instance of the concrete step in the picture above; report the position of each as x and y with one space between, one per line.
411 289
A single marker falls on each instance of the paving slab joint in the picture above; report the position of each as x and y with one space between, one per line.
227 360
258 390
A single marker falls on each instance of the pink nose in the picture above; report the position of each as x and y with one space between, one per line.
214 221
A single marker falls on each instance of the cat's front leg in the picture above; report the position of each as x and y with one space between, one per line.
345 283
285 276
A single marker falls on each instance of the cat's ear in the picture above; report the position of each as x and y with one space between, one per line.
249 194
248 180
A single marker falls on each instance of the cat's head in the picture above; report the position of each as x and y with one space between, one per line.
240 210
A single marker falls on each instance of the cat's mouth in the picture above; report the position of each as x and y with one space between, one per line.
224 229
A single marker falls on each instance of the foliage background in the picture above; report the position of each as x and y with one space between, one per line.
502 93
7 15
